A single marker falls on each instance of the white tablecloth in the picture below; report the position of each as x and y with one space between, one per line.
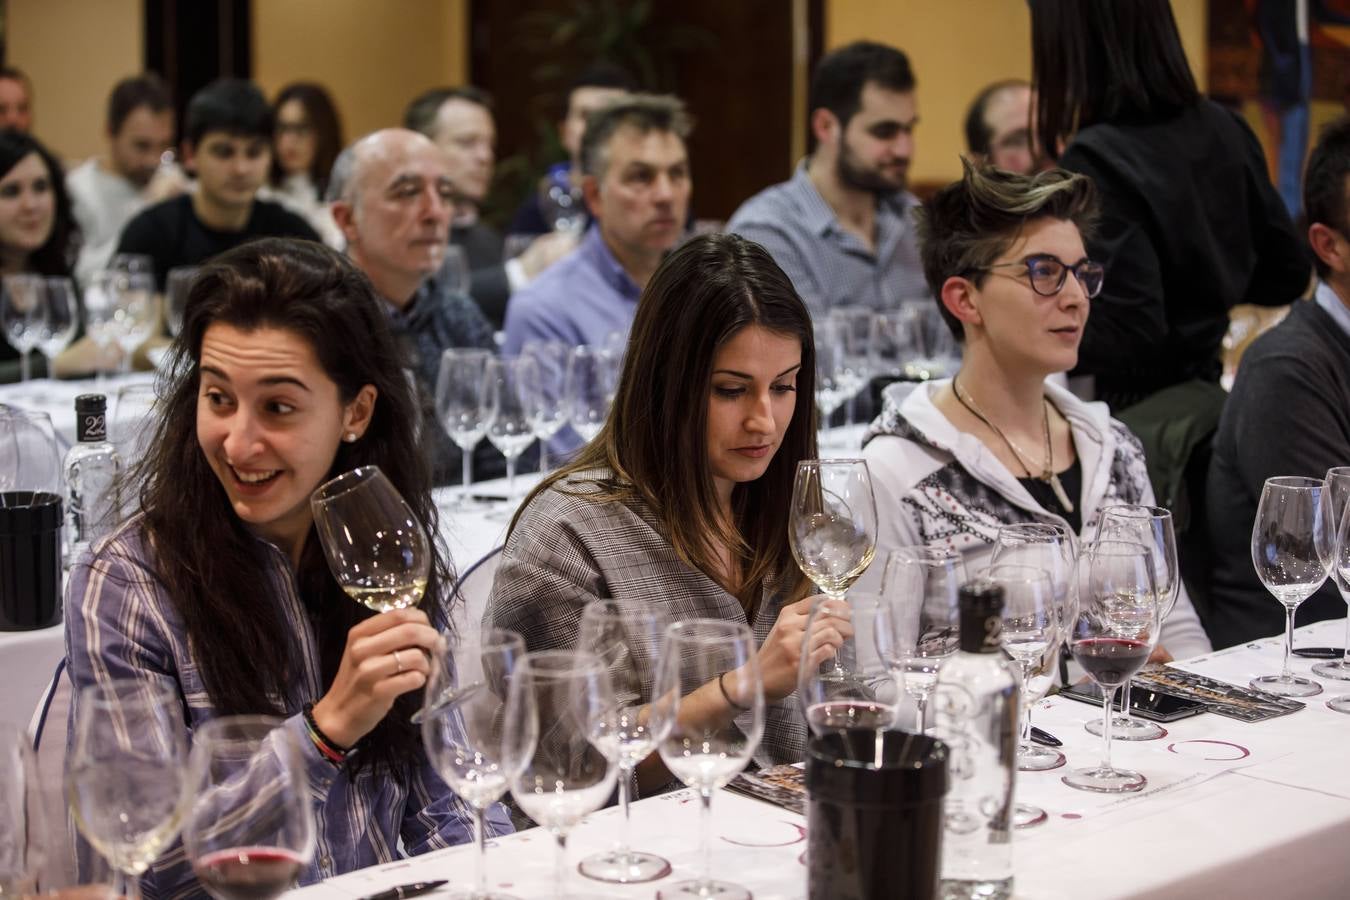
1231 810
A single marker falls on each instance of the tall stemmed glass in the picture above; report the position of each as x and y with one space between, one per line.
1030 634
462 729
125 773
21 817
178 284
561 767
35 453
376 548
1152 527
62 320
462 405
921 587
1340 565
551 409
832 374
1292 541
700 659
855 331
137 310
23 308
1338 500
101 311
588 390
250 831
512 393
1114 629
868 696
1051 548
626 635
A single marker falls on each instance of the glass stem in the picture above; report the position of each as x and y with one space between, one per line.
131 887
560 866
705 840
851 410
626 829
543 456
1345 654
1025 670
468 473
480 863
510 478
1125 704
1107 715
25 365
923 713
1285 674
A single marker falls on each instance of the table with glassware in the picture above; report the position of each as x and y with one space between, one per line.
1231 809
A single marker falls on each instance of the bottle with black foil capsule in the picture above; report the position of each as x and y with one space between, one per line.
975 713
91 468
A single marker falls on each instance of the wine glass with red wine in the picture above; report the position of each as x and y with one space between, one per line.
1111 635
249 832
854 688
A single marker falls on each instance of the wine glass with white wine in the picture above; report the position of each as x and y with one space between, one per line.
376 548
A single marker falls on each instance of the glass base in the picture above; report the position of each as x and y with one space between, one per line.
1035 758
624 867
1292 686
1339 704
1336 671
681 890
1105 781
474 895
1027 816
1131 729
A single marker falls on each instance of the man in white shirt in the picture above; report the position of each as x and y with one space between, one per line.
106 191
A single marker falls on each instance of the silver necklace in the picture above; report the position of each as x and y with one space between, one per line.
1048 474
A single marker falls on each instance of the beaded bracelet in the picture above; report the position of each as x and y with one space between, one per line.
328 748
732 703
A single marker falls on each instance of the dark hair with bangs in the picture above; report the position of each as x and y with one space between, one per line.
57 254
207 560
655 439
968 224
1105 61
230 105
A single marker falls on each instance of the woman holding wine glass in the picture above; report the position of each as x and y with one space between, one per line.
217 589
954 460
684 497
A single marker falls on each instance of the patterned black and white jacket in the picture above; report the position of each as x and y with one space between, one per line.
936 485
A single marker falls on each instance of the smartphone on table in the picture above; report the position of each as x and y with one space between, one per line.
1144 703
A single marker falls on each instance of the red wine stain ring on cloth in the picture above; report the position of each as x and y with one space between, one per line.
1243 752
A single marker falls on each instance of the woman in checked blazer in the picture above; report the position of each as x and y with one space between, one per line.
683 498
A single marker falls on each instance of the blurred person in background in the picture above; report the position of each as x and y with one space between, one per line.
16 100
998 127
307 139
459 121
107 191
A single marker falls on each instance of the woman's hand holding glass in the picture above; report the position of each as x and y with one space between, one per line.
250 830
780 658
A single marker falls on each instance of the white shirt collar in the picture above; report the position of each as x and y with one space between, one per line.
1327 298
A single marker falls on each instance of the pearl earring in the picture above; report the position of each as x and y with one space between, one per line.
350 437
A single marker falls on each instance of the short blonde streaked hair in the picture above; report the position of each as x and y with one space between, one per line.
970 223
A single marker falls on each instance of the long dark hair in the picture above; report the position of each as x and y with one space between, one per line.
655 440
206 559
56 255
1105 61
323 117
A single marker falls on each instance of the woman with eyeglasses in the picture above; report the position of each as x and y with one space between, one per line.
954 460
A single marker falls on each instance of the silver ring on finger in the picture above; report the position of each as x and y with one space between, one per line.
398 662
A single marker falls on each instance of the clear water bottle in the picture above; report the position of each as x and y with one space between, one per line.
975 711
92 466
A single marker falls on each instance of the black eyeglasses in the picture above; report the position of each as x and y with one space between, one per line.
1047 274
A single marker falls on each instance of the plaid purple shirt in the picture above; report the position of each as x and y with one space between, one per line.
121 624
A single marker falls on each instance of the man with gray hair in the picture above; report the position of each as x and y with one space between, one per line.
635 178
392 198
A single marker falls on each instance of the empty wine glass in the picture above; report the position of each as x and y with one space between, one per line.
23 307
132 263
138 313
1150 526
921 588
1292 541
561 204
1340 566
551 410
1113 631
376 548
1338 499
462 406
833 524
855 688
588 390
1030 635
101 311
125 773
560 767
178 284
855 330
513 393
21 816
36 453
626 635
832 373
706 751
892 342
1049 548
131 427
250 831
462 729
62 320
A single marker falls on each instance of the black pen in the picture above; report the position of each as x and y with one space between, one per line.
1319 652
404 891
1041 736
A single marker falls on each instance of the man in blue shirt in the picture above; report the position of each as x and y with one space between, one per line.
842 227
